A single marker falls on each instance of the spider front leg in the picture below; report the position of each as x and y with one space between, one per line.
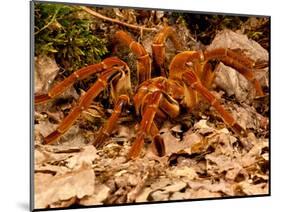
84 102
190 79
208 75
239 62
158 141
146 123
158 47
143 59
78 75
109 126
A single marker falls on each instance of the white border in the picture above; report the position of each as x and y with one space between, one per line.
14 88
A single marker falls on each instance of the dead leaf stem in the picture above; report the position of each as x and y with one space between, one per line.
98 15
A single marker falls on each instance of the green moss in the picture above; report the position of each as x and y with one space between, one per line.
66 32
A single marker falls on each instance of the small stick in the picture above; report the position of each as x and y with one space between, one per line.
88 10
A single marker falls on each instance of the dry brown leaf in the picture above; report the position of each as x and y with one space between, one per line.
52 159
172 143
222 163
142 197
247 116
232 82
100 194
46 70
159 196
165 192
43 156
227 78
191 142
221 186
180 196
195 143
53 169
203 193
176 186
86 156
133 194
184 171
160 190
232 40
250 189
160 183
79 183
44 128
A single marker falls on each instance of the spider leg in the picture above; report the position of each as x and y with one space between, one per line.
146 123
108 127
143 59
78 75
207 75
158 141
184 60
237 61
158 47
190 79
84 102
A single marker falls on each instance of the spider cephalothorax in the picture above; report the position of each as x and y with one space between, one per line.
186 81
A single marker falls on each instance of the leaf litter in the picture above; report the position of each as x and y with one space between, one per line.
203 159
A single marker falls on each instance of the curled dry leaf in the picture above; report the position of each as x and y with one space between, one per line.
100 194
60 160
250 189
221 186
195 143
161 189
185 171
176 186
86 156
46 69
43 128
72 138
223 163
164 193
132 195
229 39
77 184
142 197
230 80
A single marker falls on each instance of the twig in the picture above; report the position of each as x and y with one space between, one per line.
141 28
48 24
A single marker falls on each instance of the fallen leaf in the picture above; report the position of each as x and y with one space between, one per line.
159 196
142 197
183 172
100 194
232 40
232 82
203 193
251 189
176 186
221 186
180 196
227 78
79 183
86 156
46 69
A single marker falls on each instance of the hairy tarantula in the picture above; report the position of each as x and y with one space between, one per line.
189 78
